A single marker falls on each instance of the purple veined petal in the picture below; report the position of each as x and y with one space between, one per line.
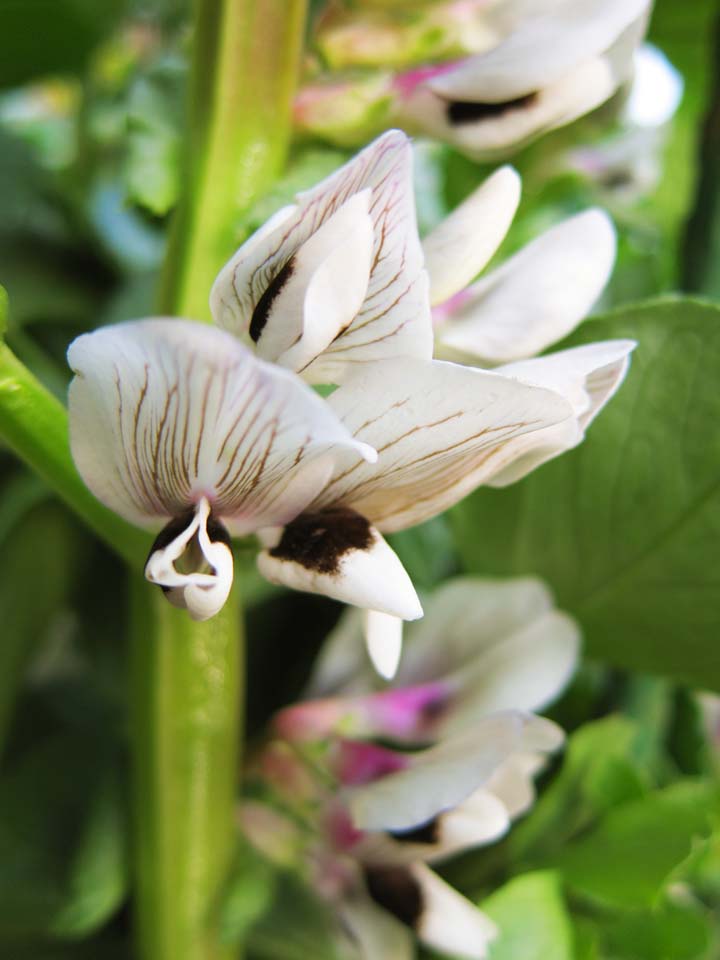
587 376
164 412
394 317
440 430
461 245
536 297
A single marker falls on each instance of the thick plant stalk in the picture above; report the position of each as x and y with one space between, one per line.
245 69
186 688
186 694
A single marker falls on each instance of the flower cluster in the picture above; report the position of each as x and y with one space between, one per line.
488 78
206 431
362 821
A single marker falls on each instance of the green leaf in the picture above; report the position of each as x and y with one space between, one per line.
625 528
63 863
532 919
154 141
670 933
248 895
599 771
631 855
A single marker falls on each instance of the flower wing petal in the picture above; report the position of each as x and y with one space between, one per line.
443 776
459 247
537 296
165 411
440 430
339 555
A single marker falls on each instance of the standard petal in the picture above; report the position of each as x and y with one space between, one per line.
439 915
164 412
537 296
459 247
394 318
337 553
443 776
440 429
587 377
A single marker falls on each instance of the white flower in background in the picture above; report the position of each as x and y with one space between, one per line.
176 425
483 645
560 60
335 280
487 654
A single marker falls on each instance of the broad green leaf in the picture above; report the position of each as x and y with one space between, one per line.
625 528
62 840
669 933
532 919
631 855
599 771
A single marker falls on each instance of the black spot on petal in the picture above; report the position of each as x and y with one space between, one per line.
173 529
319 541
426 833
217 532
395 889
460 112
264 304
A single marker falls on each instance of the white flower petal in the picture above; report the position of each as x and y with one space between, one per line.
537 296
460 246
464 619
587 377
440 430
383 636
338 554
525 670
394 318
543 49
440 916
164 412
512 783
443 776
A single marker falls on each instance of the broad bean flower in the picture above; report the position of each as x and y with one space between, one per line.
180 427
375 816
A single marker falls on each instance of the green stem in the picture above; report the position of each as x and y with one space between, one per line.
34 424
245 69
186 692
186 676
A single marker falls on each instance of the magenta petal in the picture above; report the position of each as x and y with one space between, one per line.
358 763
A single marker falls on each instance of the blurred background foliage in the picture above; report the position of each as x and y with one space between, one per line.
620 859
